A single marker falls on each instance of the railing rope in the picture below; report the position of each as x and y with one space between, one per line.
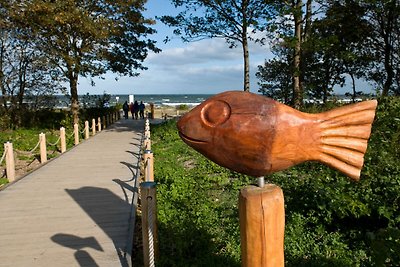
54 144
4 153
37 145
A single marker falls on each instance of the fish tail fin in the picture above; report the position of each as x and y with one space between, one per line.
344 136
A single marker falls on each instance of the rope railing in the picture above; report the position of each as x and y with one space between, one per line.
37 145
54 144
149 207
4 155
8 153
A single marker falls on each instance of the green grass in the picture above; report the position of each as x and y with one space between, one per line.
330 220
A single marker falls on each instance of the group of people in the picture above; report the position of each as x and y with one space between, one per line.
135 108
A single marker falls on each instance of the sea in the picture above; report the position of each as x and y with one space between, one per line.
172 100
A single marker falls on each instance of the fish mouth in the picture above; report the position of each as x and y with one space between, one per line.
191 140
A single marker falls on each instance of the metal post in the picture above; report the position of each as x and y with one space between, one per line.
261 181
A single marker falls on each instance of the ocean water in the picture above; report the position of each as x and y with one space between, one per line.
159 100
172 100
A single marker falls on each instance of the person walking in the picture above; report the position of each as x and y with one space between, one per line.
141 109
125 107
131 108
136 109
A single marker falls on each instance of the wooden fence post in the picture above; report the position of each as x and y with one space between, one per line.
262 223
147 143
43 148
148 163
76 134
104 122
99 123
149 225
93 126
86 130
151 110
10 163
62 140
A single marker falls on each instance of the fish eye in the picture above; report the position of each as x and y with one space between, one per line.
215 113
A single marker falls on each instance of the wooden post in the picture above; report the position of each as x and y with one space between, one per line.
76 134
99 123
146 134
148 170
149 223
152 110
62 140
43 148
93 126
86 130
10 163
147 144
104 122
262 223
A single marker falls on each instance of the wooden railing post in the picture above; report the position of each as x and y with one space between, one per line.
93 126
99 124
43 148
104 122
63 140
262 223
86 130
10 163
148 163
76 134
147 143
149 225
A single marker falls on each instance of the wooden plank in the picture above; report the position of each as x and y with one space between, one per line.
71 211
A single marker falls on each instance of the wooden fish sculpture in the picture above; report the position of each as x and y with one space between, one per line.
256 135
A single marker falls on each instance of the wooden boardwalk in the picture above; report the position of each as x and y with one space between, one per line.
76 209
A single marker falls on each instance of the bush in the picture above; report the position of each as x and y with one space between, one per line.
330 220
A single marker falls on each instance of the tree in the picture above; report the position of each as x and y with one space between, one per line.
88 38
228 19
275 76
292 29
384 43
22 71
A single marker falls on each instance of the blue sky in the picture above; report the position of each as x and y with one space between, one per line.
204 67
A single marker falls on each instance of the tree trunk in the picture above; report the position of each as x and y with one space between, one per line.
246 81
73 84
245 45
297 90
353 97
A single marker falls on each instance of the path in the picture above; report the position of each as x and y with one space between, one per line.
74 210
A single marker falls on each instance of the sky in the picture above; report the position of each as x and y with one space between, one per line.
204 67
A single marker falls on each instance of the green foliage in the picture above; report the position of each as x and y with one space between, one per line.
330 220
